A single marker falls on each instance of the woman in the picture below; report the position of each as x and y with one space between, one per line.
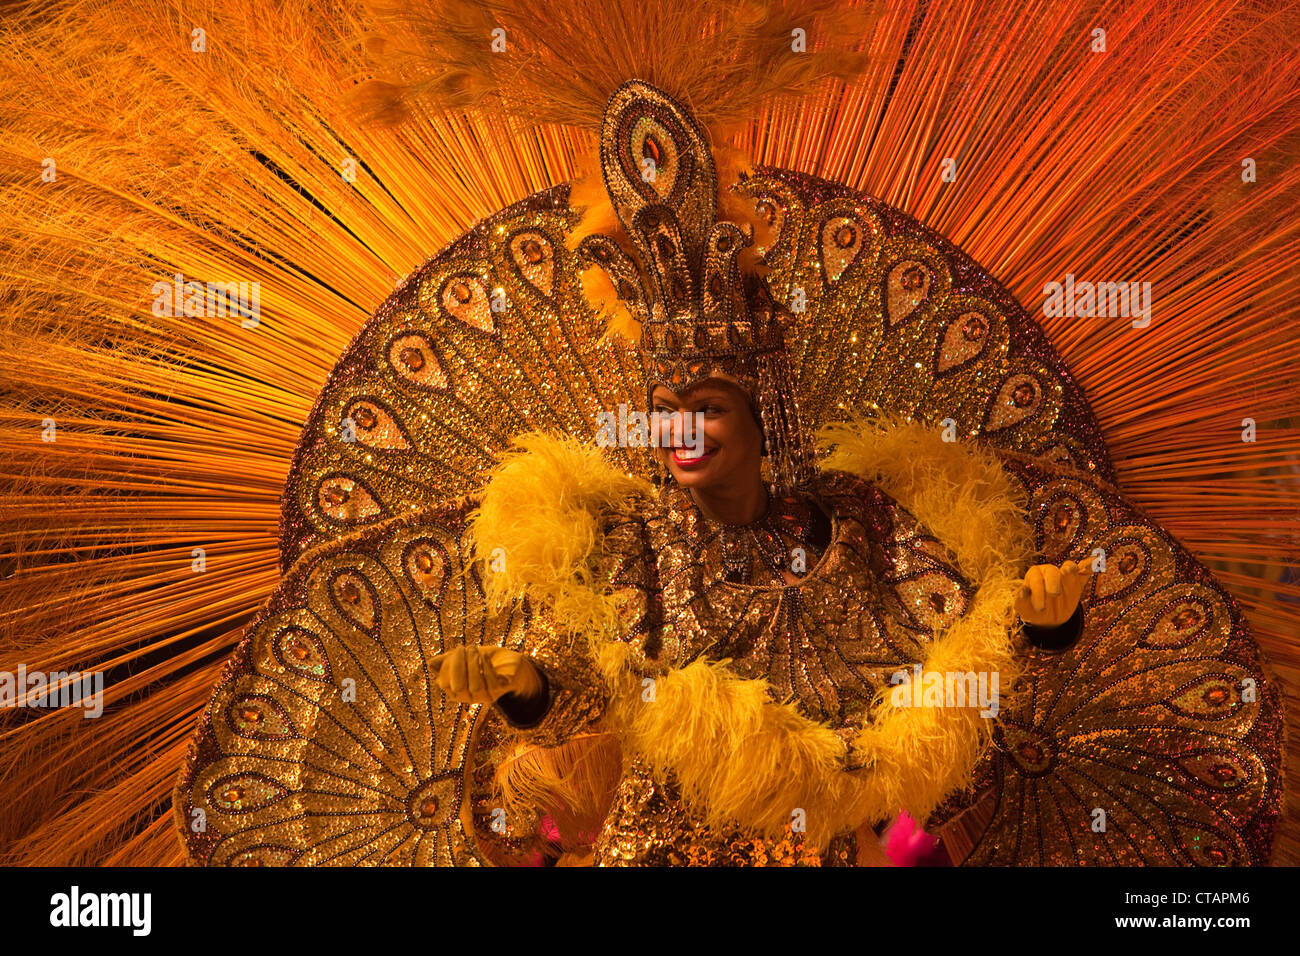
726 488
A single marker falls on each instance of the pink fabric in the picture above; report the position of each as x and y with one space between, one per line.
908 845
548 830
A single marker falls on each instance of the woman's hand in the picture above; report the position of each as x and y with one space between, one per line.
474 674
1049 595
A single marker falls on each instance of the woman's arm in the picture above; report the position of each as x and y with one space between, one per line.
1049 604
562 691
1056 638
563 695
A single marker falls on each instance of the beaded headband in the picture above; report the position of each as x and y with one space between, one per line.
700 314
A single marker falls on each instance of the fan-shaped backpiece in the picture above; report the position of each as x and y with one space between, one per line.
486 340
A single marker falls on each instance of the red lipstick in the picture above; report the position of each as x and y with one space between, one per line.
686 459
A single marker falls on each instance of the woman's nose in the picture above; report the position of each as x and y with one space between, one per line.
664 427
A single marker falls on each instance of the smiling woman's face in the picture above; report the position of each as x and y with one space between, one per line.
732 450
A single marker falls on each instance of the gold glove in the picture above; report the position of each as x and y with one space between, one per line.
1049 595
475 674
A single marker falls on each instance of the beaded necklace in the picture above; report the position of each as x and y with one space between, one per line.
782 539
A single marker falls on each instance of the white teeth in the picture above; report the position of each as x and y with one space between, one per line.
689 454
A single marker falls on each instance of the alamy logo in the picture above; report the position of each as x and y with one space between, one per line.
102 909
633 429
919 688
218 299
54 689
1103 300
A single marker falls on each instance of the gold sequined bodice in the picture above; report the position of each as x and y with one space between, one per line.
866 602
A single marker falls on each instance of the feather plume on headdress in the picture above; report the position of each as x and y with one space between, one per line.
557 62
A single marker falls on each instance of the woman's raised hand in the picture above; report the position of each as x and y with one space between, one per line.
475 674
1049 595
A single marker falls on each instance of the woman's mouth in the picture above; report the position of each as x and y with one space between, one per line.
692 457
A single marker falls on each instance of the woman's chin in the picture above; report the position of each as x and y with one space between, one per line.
691 477
687 479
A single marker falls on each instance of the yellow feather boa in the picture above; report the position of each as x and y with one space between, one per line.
737 755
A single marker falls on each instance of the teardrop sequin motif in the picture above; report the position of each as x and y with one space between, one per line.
258 717
1183 622
842 241
1019 398
426 565
1215 770
1208 848
244 792
345 499
963 341
374 426
1126 564
780 215
1211 698
465 298
907 286
412 357
652 148
1062 524
534 257
355 598
301 653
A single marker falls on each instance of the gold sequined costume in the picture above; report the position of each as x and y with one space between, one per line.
746 721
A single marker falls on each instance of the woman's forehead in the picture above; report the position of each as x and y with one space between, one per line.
709 388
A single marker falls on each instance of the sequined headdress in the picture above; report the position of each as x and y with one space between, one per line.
700 313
